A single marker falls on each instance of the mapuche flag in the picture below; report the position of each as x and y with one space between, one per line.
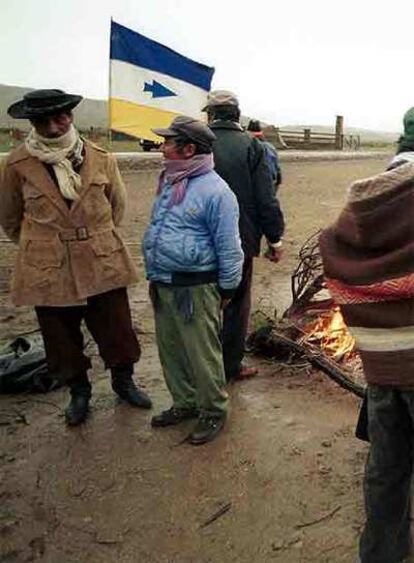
151 84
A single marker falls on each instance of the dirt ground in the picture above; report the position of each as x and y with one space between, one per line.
287 469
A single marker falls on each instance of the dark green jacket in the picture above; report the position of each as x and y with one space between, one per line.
241 162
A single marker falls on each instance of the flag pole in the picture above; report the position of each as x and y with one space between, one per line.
110 90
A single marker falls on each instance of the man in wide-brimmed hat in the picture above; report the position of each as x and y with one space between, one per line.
61 199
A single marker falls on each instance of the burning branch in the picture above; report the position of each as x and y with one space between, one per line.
312 327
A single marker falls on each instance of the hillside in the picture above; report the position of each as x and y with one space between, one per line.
89 113
93 113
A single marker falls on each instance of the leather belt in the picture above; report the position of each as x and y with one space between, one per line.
80 233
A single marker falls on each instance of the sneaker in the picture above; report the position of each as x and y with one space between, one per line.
206 429
173 416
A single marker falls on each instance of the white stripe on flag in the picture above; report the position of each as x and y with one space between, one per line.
128 83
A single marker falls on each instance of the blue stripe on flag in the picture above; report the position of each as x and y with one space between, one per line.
132 47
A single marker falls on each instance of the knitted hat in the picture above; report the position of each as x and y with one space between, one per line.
406 141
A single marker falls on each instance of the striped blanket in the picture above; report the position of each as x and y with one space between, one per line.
368 258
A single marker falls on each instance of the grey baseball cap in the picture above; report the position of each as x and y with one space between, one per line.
221 98
192 128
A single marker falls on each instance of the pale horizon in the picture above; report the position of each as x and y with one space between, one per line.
289 64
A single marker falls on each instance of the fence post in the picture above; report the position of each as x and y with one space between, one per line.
307 136
339 133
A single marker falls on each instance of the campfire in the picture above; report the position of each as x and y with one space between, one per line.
312 328
330 333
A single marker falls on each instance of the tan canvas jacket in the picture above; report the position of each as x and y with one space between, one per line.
65 254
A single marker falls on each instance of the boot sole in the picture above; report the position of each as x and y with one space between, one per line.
146 406
165 424
70 422
209 438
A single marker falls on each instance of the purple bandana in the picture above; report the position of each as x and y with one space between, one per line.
178 172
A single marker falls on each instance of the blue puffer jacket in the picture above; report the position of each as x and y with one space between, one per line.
200 234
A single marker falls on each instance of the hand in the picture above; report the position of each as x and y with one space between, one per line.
273 254
225 302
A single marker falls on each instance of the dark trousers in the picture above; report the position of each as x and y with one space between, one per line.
388 473
108 318
236 322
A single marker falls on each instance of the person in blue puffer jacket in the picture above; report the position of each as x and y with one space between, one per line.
194 260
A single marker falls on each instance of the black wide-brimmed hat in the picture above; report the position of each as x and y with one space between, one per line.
43 102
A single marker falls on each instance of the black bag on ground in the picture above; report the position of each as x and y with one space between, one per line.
23 367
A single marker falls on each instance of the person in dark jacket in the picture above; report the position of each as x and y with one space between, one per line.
255 130
241 162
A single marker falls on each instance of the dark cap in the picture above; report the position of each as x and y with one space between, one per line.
43 102
194 129
221 98
254 126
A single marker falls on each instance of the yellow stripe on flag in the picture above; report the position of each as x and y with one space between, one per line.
138 120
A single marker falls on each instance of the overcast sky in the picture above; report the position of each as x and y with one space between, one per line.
290 61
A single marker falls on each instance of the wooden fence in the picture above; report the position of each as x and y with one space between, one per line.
308 139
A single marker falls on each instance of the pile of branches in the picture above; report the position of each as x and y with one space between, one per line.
283 340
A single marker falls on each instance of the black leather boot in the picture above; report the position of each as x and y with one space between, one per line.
78 408
125 388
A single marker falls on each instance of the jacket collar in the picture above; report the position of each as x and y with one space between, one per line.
220 124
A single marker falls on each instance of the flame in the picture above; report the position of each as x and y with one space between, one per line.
331 334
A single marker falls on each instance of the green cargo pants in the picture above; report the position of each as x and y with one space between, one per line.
187 324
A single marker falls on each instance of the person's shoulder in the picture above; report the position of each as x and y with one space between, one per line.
17 155
219 188
256 147
97 154
269 147
257 143
212 183
218 181
387 182
95 148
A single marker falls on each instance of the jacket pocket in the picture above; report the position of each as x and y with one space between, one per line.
99 178
98 185
43 254
105 244
36 204
96 196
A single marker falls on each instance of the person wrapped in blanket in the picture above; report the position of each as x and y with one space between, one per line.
368 257
194 260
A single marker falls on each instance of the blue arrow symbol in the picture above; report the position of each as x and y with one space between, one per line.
158 90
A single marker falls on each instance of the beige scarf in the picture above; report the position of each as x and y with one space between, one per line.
62 153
